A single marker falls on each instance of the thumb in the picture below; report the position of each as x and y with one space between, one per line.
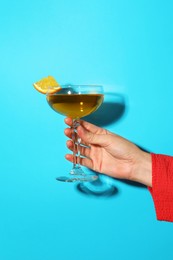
91 138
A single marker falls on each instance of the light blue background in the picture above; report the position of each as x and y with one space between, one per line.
127 46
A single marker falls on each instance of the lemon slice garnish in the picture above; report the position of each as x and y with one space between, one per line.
47 85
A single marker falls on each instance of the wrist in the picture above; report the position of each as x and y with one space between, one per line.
143 169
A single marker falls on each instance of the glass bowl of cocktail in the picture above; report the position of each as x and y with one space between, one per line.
76 102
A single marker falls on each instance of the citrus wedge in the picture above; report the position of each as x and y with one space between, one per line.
47 85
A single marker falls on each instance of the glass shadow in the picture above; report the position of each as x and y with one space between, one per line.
95 189
111 111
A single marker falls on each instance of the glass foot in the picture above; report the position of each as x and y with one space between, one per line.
77 178
78 175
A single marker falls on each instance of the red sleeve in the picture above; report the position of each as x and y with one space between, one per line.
162 186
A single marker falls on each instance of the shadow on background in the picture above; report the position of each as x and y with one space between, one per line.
132 183
97 188
111 111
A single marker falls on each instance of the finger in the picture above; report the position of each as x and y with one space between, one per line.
69 157
70 145
93 128
83 161
68 121
68 132
86 162
90 127
91 138
84 150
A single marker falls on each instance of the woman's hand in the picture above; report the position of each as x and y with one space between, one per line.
110 154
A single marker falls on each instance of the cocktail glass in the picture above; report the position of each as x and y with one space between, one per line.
76 101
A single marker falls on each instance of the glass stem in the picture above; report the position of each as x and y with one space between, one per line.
76 149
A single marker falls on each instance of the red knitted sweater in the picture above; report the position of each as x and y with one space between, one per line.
162 186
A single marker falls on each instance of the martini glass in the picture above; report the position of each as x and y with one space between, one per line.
76 101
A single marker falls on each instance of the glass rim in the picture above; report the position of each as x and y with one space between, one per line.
78 85
83 87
